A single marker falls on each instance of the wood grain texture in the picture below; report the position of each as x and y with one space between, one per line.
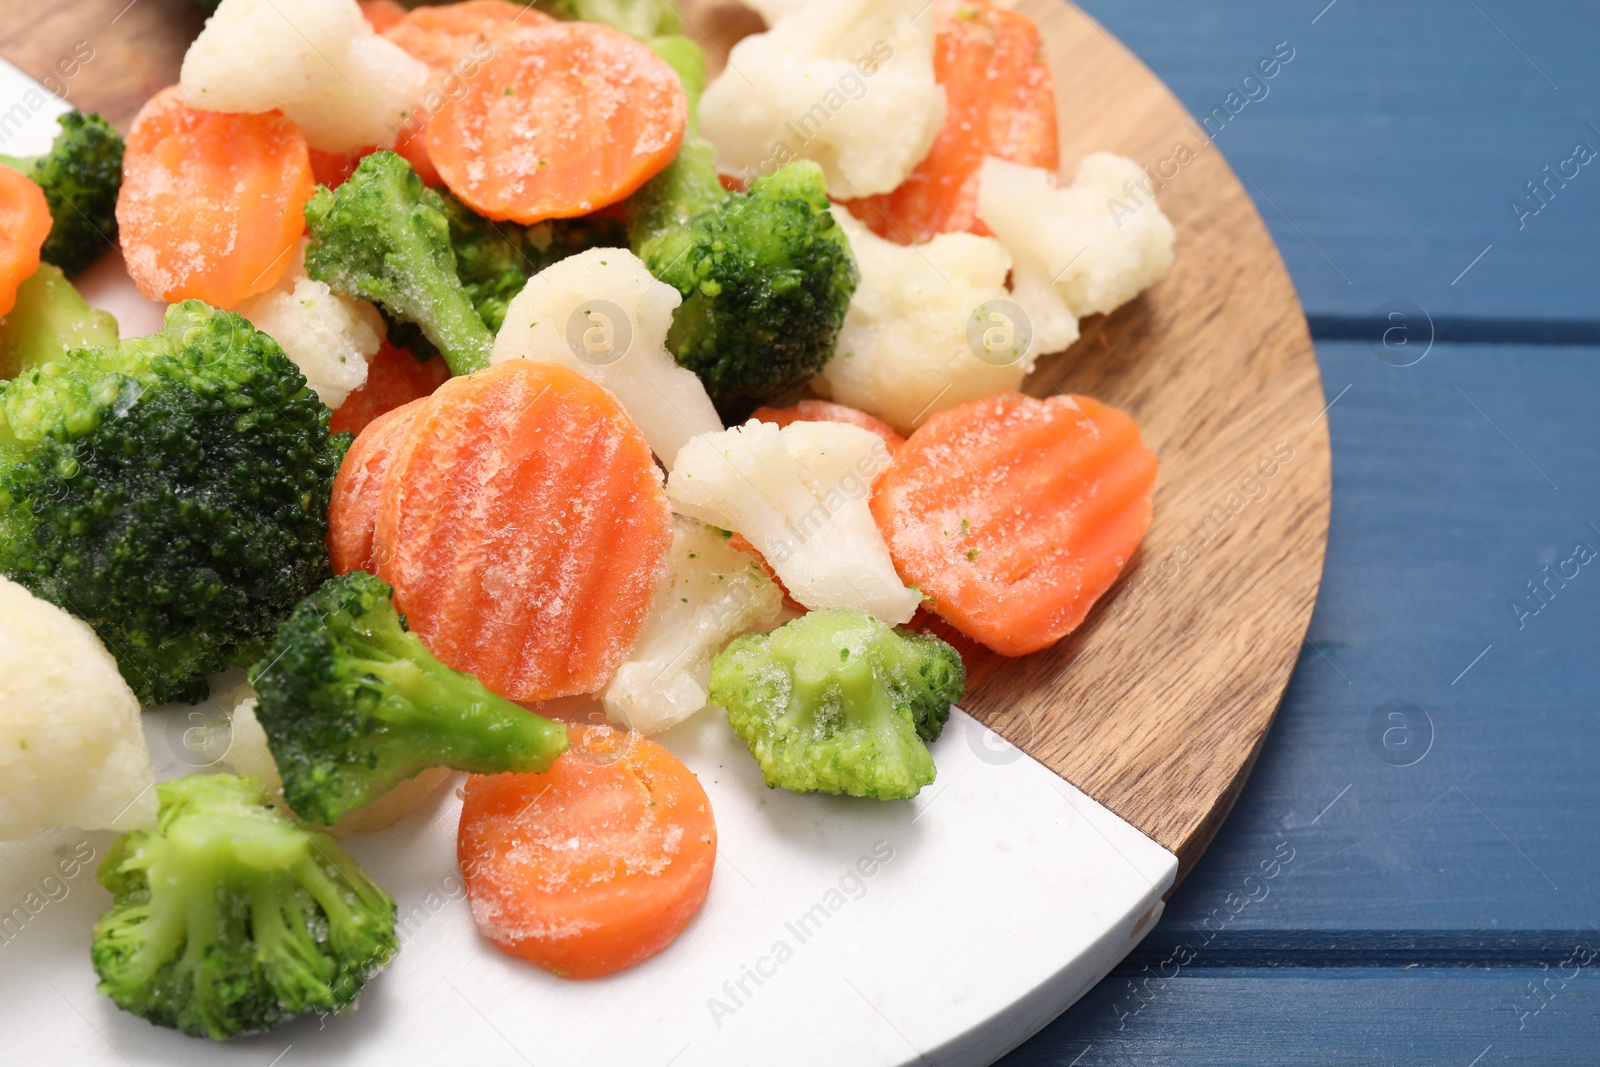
1158 705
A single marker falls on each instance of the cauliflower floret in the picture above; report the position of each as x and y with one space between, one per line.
1085 249
906 350
799 495
318 61
713 593
247 753
72 751
329 337
602 314
847 83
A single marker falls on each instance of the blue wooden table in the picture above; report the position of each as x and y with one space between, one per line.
1412 874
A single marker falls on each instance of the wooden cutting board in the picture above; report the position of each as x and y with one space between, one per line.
1158 705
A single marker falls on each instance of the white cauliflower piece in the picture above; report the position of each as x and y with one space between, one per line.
329 337
713 593
72 750
905 351
248 753
1082 250
847 83
605 306
799 495
318 61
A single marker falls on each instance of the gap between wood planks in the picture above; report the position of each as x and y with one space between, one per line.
1577 332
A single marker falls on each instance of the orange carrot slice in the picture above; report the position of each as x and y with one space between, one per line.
334 168
210 203
828 411
523 525
394 377
565 118
1014 515
1001 103
442 36
453 40
381 14
353 507
596 864
24 224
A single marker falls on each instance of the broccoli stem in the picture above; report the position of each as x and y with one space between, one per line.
689 184
50 319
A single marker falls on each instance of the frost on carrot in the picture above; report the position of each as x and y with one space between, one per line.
1001 103
1014 515
24 224
210 203
562 120
524 528
353 507
594 866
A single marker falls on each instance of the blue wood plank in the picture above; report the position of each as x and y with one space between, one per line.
1457 481
1250 1017
1385 155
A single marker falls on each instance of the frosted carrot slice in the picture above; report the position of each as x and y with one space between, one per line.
596 864
453 41
524 528
828 411
1001 102
24 224
394 377
565 118
353 508
1015 515
210 203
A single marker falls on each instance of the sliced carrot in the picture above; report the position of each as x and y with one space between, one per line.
442 36
381 14
453 40
353 507
394 377
334 168
593 866
1001 102
24 224
565 118
828 411
524 528
210 204
1014 515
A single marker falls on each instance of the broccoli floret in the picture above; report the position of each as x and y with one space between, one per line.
766 276
81 176
642 19
172 492
354 704
494 260
840 702
383 236
50 319
229 919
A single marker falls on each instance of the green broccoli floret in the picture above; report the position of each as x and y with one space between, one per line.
172 491
642 19
229 919
494 260
383 236
839 702
50 319
81 176
766 276
354 704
